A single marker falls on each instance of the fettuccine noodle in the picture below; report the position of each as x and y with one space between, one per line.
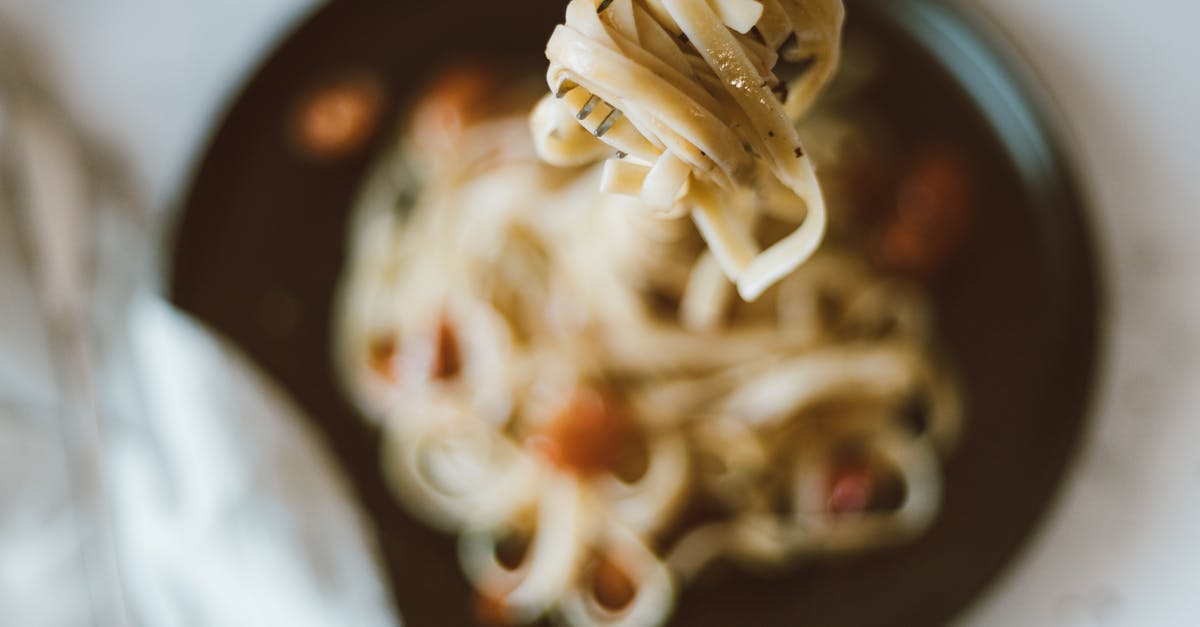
692 122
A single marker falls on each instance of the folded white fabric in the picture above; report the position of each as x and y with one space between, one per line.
148 475
228 512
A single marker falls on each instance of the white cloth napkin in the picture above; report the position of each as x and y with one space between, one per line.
148 474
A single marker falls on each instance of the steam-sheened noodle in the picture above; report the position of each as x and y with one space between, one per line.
694 121
567 380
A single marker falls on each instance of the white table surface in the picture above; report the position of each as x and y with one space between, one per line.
1121 546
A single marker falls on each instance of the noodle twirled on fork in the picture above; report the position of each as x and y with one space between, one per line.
685 92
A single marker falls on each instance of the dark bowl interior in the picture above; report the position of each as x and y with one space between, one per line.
263 235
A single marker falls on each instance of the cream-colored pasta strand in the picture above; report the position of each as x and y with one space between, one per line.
603 68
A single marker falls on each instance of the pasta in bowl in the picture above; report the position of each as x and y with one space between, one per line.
952 282
571 374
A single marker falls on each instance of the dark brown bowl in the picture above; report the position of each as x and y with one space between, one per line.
262 240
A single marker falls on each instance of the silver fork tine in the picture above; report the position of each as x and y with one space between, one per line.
587 108
609 120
